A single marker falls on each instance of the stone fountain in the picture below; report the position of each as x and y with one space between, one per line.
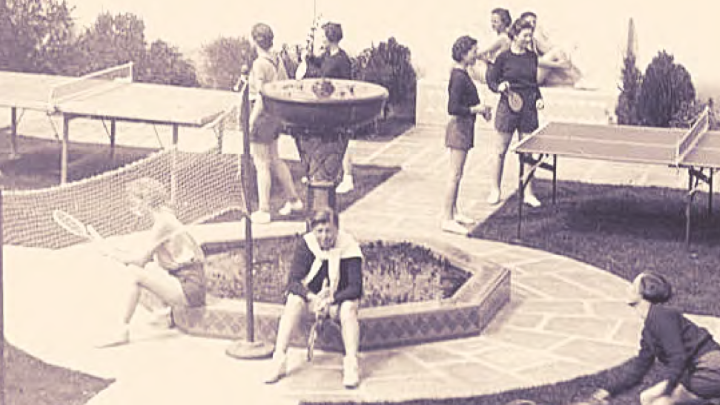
321 115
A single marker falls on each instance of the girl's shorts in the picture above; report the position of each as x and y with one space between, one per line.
460 132
192 280
507 121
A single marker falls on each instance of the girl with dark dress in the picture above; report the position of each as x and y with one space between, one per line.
514 69
690 354
463 105
334 63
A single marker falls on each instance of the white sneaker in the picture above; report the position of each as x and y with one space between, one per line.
494 197
532 201
346 185
452 226
351 374
260 217
278 368
463 219
117 337
290 207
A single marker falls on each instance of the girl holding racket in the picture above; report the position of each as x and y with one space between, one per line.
514 75
170 265
463 106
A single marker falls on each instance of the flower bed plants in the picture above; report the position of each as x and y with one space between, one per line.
393 272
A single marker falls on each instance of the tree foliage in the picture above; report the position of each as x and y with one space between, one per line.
222 61
113 40
626 109
37 36
666 89
164 64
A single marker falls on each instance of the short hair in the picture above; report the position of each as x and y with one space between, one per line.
654 287
462 46
333 31
323 216
517 26
504 15
263 35
527 14
149 190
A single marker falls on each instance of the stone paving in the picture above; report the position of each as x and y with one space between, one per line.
565 318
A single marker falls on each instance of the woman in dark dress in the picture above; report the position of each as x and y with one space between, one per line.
514 69
463 105
690 354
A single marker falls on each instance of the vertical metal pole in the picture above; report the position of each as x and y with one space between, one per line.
64 149
13 132
3 368
246 170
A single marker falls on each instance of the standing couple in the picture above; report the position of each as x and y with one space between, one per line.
515 69
265 129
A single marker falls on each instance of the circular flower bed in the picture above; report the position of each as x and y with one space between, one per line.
393 272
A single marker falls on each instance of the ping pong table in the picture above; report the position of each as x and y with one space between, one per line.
111 95
697 150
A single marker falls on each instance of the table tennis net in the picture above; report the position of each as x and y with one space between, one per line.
202 186
691 137
95 82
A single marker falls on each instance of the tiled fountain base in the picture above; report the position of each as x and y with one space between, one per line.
466 313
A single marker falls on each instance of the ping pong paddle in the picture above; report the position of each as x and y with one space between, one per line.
514 100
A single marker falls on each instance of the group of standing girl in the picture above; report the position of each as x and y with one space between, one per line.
514 68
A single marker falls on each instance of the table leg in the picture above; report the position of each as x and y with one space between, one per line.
64 149
554 180
710 192
521 194
13 132
113 125
688 207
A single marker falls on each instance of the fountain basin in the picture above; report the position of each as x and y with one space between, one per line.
317 104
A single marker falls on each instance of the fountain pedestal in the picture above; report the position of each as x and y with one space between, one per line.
320 114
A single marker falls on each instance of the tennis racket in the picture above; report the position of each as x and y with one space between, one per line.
318 324
514 100
75 226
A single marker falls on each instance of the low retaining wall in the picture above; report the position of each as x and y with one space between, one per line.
466 313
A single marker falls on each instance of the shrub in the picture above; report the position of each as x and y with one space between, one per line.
164 64
389 64
665 88
222 61
626 110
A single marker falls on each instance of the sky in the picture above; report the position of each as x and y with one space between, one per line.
596 30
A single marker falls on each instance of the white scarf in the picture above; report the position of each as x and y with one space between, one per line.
345 247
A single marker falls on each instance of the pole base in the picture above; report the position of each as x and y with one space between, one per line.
245 350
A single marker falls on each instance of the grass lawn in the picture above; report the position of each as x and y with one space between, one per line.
623 230
29 381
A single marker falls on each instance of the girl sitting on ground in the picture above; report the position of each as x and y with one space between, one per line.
689 352
170 264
